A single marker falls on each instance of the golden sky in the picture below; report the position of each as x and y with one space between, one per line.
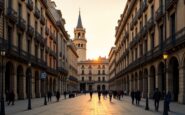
99 17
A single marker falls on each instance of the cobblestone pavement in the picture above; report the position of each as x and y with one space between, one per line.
82 105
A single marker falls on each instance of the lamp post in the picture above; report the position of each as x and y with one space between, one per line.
29 84
2 78
165 57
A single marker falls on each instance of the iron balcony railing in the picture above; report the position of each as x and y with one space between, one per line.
12 15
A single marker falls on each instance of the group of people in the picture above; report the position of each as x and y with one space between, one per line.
49 95
136 95
10 97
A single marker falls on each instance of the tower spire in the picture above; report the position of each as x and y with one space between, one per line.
79 24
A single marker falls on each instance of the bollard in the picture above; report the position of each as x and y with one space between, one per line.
147 107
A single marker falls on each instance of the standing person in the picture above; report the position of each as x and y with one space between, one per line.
11 98
58 95
99 95
65 93
110 96
168 100
156 97
91 94
132 96
7 95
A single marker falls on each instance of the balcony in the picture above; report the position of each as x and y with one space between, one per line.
42 20
132 25
144 31
150 23
21 24
47 49
59 23
30 4
42 40
63 70
30 31
37 12
1 6
52 35
126 34
170 4
12 15
55 40
140 13
159 13
135 19
38 36
47 30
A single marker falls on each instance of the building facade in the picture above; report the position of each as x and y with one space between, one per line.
92 74
146 31
31 33
72 81
112 66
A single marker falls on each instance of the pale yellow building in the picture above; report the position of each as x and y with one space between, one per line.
30 36
146 30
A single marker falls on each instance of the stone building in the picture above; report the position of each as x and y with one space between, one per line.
148 30
72 80
31 34
92 74
112 67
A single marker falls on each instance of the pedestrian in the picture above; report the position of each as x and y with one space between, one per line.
58 95
132 96
7 95
168 100
11 98
65 93
110 96
156 97
91 93
99 95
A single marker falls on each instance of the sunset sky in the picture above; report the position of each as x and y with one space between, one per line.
99 18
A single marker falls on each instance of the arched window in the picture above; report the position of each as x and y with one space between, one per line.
82 78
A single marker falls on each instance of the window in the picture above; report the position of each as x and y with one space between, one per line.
172 22
152 11
135 53
103 72
98 72
19 11
82 78
90 78
152 41
19 44
141 50
99 79
161 37
36 50
82 67
90 72
103 66
146 46
103 78
82 72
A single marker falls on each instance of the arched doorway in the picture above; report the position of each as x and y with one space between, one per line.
174 77
37 84
152 80
161 77
103 87
98 88
20 82
9 78
28 81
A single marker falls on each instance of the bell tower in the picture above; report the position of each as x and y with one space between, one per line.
80 40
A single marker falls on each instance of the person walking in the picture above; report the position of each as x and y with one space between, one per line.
65 93
132 96
99 95
168 100
156 97
58 95
11 98
91 93
110 96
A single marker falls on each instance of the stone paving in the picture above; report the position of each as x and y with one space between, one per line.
82 105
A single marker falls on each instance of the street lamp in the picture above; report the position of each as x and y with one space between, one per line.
2 77
165 57
29 84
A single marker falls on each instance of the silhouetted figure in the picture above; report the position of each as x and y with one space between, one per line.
138 97
110 96
7 95
91 93
132 96
168 100
11 98
49 96
99 95
65 93
156 97
58 95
